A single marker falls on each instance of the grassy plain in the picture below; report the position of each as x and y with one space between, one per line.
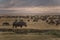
41 25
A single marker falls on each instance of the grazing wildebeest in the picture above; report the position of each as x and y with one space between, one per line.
28 20
19 24
43 18
53 20
57 22
35 20
5 24
50 20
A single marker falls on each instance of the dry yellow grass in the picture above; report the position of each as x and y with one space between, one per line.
33 25
42 25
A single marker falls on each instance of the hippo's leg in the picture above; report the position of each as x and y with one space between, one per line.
25 25
15 26
21 26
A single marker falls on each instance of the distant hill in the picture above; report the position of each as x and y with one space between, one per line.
21 14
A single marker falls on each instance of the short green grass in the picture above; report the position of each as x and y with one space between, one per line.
14 36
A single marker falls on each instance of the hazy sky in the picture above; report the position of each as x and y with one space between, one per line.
9 7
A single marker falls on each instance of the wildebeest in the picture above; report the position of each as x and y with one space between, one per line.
43 18
53 20
57 22
28 20
19 24
5 24
35 20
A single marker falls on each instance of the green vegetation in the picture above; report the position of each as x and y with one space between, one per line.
56 33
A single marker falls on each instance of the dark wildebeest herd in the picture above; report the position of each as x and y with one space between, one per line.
49 19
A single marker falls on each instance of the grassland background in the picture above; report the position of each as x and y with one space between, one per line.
42 25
